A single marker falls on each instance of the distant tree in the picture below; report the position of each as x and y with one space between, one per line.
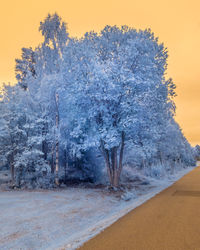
25 67
45 59
197 152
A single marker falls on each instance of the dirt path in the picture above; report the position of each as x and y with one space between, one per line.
170 220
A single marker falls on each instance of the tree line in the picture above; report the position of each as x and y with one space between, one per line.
77 103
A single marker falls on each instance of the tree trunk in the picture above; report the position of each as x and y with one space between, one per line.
115 182
52 162
12 170
121 154
57 162
66 165
107 161
44 149
44 142
161 158
57 143
114 168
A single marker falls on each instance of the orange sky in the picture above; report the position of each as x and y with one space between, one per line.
176 22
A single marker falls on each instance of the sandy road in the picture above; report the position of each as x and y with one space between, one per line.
170 220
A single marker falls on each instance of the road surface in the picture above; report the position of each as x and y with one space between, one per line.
169 221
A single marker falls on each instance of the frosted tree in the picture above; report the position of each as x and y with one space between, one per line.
112 96
35 66
12 136
47 57
197 151
25 67
21 137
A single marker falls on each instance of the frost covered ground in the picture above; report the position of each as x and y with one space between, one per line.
66 218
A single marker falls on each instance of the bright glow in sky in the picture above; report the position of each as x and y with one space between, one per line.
176 22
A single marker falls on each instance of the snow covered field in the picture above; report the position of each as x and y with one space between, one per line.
64 219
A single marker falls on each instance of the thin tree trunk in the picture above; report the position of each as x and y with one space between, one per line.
57 143
44 149
44 143
109 166
12 170
66 164
115 167
121 154
161 158
107 161
52 162
57 162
